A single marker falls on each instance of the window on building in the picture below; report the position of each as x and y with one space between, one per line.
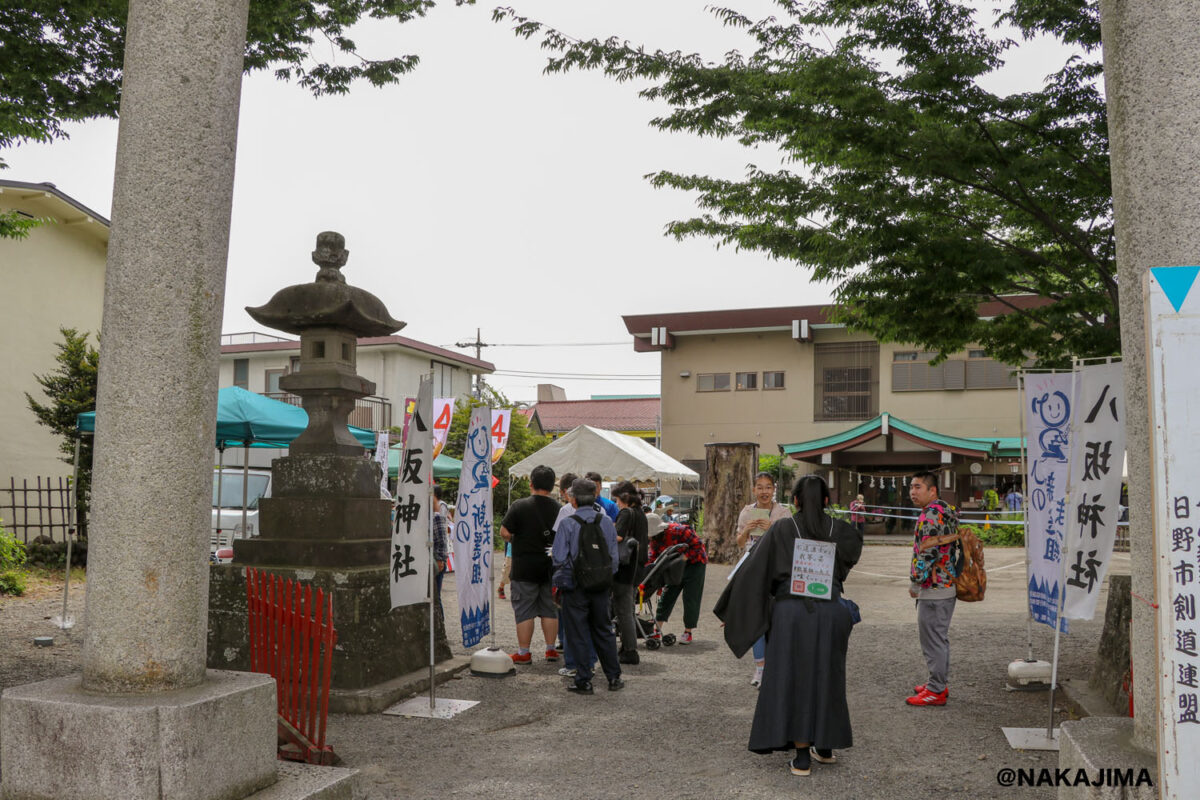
294 364
846 381
773 380
241 373
977 354
905 355
985 373
271 380
712 382
747 380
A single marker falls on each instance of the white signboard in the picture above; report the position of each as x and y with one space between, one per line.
1097 453
1172 304
414 495
812 568
381 458
1048 409
443 412
501 421
473 530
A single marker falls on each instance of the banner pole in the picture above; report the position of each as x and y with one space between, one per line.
1063 554
1025 516
432 610
74 528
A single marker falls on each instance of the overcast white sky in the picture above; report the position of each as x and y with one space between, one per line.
479 192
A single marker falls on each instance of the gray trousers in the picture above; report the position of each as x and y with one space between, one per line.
622 600
933 625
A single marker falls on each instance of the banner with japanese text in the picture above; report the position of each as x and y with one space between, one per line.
1097 452
443 413
501 422
381 458
473 530
1048 408
1172 303
414 497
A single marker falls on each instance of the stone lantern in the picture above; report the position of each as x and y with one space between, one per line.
325 523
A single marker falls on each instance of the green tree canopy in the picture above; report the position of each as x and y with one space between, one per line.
62 61
908 184
71 390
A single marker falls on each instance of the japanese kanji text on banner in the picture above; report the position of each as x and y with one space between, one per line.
410 534
1048 409
1097 452
473 530
1173 331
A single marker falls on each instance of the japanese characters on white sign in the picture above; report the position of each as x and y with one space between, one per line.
1097 452
410 533
473 530
812 568
1048 409
1173 332
381 458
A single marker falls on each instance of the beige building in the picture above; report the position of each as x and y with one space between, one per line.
862 413
52 279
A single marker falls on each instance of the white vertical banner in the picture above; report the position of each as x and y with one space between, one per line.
443 412
381 458
1173 339
414 496
1048 409
501 423
1097 453
473 530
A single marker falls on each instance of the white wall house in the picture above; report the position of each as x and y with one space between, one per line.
52 279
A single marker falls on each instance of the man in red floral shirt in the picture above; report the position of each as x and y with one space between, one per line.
662 536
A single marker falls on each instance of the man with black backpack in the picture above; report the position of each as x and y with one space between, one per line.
585 559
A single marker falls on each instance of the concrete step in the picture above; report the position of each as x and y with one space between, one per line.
307 782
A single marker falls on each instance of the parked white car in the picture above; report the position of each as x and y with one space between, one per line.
227 520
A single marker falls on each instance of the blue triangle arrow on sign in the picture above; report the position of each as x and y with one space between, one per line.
1176 282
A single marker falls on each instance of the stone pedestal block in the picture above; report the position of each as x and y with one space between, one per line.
214 741
1103 746
329 553
325 517
1113 656
325 476
375 644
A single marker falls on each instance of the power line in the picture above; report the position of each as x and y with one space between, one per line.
537 344
531 373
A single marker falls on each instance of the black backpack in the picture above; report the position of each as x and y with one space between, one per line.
593 565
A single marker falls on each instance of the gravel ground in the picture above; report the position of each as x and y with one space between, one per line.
679 728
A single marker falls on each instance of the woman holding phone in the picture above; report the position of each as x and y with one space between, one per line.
752 523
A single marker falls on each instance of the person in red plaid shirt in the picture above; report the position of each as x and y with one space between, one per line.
692 586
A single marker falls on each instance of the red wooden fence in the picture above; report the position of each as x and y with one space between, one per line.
292 639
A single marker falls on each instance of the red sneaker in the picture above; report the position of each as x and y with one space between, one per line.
522 658
551 654
500 593
928 698
921 688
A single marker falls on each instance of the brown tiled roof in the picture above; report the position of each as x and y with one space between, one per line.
402 341
638 414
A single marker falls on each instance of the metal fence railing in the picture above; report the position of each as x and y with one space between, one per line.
42 508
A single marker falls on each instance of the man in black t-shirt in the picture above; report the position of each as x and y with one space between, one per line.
529 527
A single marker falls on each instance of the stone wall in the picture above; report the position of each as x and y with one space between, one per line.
1112 659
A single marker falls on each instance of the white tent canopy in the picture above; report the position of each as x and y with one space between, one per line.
616 456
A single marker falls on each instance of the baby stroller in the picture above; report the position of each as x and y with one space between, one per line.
667 570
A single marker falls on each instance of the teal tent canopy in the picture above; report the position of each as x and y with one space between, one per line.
248 419
444 466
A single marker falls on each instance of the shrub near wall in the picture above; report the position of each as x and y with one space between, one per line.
54 554
12 557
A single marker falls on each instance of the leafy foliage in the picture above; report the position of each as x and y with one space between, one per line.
71 390
521 443
998 535
14 225
915 190
62 61
784 475
12 556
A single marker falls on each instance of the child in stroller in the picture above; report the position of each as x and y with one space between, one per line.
667 570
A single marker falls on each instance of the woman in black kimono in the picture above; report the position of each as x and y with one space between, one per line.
802 702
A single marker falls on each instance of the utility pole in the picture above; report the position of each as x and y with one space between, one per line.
478 344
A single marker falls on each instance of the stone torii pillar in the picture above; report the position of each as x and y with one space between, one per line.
146 721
